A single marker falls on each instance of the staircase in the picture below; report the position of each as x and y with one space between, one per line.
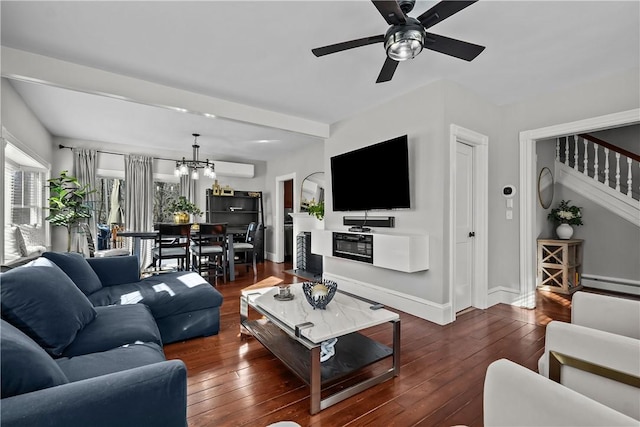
602 172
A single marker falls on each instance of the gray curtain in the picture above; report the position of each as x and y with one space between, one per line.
188 187
84 166
138 174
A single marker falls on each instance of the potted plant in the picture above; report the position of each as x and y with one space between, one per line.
565 215
316 209
67 204
181 208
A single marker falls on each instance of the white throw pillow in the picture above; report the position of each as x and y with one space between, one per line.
11 247
30 239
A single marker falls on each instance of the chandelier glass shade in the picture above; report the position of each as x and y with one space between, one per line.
186 167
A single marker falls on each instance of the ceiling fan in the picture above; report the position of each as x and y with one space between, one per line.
407 36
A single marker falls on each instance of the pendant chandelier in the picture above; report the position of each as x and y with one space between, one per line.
186 167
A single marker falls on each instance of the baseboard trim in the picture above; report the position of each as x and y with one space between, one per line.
503 295
424 309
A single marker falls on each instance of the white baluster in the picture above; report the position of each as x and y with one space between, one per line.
606 167
595 163
585 162
617 171
558 149
566 151
575 152
629 178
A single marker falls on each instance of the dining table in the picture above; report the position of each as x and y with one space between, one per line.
138 236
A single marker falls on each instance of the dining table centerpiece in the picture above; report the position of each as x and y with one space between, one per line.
182 209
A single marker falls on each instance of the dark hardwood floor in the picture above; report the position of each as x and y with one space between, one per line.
237 382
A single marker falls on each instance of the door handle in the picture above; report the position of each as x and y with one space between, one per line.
472 234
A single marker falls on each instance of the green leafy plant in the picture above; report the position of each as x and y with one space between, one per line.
566 214
316 209
67 203
181 204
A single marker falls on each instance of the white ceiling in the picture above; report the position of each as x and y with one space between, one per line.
258 53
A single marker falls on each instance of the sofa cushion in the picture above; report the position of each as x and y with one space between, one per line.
78 269
115 326
45 304
25 366
165 294
118 359
116 270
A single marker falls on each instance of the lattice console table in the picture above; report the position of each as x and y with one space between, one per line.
560 265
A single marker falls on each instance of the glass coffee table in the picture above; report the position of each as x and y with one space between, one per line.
293 331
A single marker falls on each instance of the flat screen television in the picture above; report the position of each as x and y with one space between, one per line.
373 177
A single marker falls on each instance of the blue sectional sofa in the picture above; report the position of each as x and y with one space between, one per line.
183 304
81 342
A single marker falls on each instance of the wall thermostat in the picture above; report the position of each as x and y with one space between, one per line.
509 191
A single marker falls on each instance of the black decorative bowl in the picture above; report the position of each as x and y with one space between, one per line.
319 294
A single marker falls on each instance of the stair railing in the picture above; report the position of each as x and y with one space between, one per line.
571 158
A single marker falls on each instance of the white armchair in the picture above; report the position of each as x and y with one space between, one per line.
516 396
598 354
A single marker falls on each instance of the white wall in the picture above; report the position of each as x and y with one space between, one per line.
425 115
20 121
420 115
616 93
299 163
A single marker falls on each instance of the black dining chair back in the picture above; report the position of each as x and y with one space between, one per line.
209 251
172 243
245 252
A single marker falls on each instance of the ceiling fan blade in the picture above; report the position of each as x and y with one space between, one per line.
442 11
387 71
390 11
452 47
339 47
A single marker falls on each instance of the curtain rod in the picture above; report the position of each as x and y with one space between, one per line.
60 146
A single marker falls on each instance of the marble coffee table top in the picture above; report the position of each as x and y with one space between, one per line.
343 315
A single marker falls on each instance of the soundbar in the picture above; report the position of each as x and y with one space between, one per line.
369 221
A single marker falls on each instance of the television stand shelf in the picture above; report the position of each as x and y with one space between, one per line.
401 252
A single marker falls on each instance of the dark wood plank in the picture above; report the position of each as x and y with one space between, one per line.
237 382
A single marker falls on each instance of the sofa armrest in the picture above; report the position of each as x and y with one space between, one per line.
611 314
602 349
116 270
516 396
152 395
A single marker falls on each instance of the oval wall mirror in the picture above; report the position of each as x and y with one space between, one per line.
545 187
312 190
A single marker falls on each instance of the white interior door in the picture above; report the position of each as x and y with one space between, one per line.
463 272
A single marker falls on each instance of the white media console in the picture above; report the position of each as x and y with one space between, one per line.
400 252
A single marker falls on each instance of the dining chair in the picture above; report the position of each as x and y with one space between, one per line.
209 251
172 243
245 252
100 253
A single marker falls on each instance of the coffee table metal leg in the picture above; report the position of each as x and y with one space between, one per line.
396 347
316 380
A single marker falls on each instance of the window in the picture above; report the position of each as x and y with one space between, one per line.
24 201
164 192
24 192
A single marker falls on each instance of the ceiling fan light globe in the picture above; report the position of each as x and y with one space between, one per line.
404 44
184 170
194 174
